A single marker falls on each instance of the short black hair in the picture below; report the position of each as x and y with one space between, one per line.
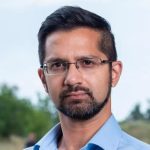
67 18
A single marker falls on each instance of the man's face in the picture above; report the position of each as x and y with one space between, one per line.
79 95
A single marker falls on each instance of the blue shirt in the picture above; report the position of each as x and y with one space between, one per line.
109 137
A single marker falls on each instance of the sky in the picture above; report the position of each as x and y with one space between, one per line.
20 21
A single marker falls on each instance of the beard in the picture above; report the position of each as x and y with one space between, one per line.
84 109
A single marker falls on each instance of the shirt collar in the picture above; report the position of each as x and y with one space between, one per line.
50 139
108 136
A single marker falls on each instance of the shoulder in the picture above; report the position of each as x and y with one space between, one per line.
48 140
129 142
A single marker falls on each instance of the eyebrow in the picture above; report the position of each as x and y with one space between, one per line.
87 57
65 60
55 59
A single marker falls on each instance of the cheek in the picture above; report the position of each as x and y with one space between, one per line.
101 89
99 85
54 85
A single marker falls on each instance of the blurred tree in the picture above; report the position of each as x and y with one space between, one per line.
47 106
136 113
147 114
19 116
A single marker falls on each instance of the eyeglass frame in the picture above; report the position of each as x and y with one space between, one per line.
44 66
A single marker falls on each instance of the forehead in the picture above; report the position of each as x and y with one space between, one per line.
73 44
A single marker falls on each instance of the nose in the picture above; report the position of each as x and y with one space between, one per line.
73 76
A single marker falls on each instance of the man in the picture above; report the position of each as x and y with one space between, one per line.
78 68
31 140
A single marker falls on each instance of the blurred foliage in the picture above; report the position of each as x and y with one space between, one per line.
137 114
19 116
138 128
137 123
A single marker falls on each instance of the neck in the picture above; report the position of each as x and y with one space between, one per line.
77 133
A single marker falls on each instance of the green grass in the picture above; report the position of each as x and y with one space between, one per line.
139 129
13 143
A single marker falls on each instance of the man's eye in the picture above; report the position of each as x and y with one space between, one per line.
87 63
57 65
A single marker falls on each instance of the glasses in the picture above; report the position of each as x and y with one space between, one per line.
57 67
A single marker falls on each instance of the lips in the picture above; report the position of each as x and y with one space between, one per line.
77 95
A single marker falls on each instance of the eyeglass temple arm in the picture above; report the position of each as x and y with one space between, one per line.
106 61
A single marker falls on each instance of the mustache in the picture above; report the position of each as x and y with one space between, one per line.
70 89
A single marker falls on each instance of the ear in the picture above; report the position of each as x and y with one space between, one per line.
116 72
43 79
